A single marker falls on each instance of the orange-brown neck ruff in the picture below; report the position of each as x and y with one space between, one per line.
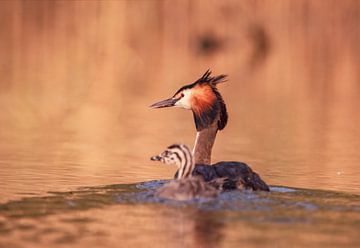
208 107
210 115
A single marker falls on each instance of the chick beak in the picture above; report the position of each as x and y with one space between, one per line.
165 103
155 158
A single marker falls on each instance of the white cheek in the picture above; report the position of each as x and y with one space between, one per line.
184 102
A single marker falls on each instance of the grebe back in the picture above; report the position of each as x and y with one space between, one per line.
210 115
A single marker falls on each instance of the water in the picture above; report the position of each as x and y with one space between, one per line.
76 133
63 186
132 215
78 180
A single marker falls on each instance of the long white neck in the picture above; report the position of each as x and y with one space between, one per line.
204 143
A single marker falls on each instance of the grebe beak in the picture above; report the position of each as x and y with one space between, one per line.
155 158
165 103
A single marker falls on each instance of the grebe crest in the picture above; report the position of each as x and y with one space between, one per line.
203 98
186 186
210 116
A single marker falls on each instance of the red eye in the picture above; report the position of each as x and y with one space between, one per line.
182 95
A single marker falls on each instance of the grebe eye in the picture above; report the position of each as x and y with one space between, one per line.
182 95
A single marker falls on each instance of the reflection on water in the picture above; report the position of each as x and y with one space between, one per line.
137 217
76 82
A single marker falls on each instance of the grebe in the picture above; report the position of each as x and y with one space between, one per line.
186 186
210 115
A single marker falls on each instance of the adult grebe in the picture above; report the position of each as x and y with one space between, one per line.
186 186
210 115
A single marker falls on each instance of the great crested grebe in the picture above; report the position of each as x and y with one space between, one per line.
210 115
186 186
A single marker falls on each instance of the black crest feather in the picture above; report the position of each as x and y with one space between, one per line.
212 80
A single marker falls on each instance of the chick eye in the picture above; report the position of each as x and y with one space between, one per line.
182 95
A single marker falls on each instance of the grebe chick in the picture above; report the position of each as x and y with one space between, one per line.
185 186
210 115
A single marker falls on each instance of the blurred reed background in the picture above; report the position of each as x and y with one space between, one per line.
82 73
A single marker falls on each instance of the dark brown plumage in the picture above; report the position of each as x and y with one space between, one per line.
210 116
238 174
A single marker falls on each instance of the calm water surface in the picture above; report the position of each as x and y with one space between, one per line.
78 181
76 133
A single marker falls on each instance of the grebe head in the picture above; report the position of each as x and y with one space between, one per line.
203 98
181 156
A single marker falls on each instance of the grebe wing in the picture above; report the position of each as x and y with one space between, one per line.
237 174
241 173
207 172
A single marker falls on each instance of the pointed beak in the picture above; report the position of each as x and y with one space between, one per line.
165 103
155 158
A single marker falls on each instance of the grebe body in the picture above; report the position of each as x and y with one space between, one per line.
240 175
210 115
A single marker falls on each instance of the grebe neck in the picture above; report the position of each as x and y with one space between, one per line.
204 142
